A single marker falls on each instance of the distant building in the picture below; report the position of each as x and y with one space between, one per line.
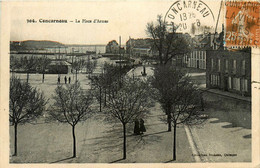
59 67
112 47
139 52
229 71
139 47
197 57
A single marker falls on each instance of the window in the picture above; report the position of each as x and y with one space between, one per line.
234 66
243 69
236 84
212 64
246 88
219 65
226 65
229 82
244 85
214 80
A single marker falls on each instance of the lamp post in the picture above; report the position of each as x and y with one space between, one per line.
144 71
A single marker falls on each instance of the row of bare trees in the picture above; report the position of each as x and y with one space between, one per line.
106 83
30 64
40 65
179 97
175 92
81 64
72 105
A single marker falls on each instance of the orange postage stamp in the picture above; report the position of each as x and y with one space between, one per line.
242 24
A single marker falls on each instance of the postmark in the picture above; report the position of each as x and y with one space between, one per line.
242 24
190 16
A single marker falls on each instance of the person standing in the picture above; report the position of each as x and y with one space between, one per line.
58 79
65 79
142 127
69 80
137 128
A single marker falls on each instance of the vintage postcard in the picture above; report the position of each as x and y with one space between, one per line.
162 83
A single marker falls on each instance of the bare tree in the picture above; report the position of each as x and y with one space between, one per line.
179 98
71 106
167 42
98 83
128 103
90 66
42 64
25 104
77 65
29 65
14 64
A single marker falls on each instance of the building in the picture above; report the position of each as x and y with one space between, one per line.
139 52
229 71
197 57
112 47
59 67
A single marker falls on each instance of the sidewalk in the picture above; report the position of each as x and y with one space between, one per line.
228 94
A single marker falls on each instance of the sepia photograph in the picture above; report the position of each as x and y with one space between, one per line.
123 82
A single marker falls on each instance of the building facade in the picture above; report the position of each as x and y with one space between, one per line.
229 71
197 57
139 52
112 47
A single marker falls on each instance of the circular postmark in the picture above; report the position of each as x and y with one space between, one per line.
190 16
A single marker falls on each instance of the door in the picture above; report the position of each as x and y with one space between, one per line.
226 83
198 64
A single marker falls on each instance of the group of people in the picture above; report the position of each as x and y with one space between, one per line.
139 127
65 79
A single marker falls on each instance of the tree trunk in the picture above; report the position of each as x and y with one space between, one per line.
74 141
105 100
27 80
174 143
109 93
169 122
160 58
124 144
100 98
76 75
15 139
43 77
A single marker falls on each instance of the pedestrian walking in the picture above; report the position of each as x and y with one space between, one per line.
137 128
58 79
65 79
142 127
69 80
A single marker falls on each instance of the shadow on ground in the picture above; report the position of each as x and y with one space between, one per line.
57 161
236 112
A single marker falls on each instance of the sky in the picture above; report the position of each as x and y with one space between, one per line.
125 19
